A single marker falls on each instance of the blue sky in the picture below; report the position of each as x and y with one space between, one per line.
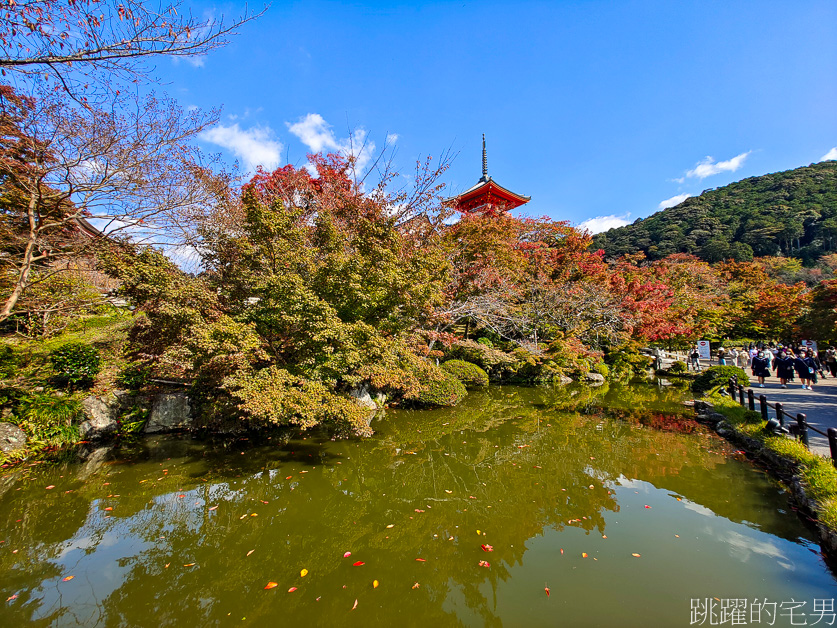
593 109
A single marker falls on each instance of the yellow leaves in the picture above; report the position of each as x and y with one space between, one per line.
303 573
271 585
375 584
189 565
416 585
67 578
635 555
584 554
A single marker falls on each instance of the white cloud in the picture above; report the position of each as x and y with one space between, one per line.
255 146
674 200
317 134
603 223
708 166
832 154
392 138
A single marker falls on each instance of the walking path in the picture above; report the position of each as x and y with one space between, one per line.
818 405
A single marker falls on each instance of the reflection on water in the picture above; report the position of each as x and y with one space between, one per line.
174 531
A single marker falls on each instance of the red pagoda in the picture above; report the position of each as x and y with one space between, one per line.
486 196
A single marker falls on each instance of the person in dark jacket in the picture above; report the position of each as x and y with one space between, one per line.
783 364
806 368
761 367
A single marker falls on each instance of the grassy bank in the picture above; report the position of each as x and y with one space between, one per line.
48 411
816 472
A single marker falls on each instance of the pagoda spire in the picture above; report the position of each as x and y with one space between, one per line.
484 161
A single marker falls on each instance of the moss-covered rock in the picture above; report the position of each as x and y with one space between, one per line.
471 375
440 388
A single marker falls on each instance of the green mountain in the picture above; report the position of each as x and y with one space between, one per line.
791 213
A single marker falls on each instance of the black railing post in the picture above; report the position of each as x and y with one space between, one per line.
763 407
832 444
780 414
741 395
751 399
803 428
731 388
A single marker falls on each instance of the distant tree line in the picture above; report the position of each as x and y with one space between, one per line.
791 213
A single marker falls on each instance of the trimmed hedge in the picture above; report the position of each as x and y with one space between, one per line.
717 376
441 389
469 374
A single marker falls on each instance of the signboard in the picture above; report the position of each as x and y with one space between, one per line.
703 349
809 344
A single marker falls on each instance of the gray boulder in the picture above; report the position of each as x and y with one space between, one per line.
12 438
565 380
100 415
169 412
363 397
595 378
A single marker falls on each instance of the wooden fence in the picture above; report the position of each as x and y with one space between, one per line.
798 429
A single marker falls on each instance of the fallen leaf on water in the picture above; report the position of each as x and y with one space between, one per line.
374 584
484 563
255 514
347 554
50 486
292 589
487 548
478 532
416 585
14 597
584 554
250 552
358 563
167 565
635 555
647 506
355 606
604 536
471 497
290 477
419 510
391 525
676 536
214 507
244 516
263 501
421 560
547 591
447 491
272 585
303 573
189 565
108 508
68 578
562 551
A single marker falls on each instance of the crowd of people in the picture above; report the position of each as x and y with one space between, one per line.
787 362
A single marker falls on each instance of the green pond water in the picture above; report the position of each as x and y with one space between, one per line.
174 531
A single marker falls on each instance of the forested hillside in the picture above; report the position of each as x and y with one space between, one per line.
791 213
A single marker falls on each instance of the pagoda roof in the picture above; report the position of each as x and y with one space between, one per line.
487 192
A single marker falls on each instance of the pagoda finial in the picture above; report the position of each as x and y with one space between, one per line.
484 161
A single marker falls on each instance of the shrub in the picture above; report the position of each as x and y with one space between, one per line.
8 361
602 369
440 388
486 342
76 363
717 377
49 419
493 361
134 375
678 367
469 374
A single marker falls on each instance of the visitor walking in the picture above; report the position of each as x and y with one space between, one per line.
831 361
806 369
694 359
761 367
743 358
783 364
722 357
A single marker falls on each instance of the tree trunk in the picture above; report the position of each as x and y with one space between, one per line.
26 267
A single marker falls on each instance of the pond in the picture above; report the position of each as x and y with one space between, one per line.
460 517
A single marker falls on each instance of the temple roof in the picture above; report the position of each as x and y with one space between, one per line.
487 192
